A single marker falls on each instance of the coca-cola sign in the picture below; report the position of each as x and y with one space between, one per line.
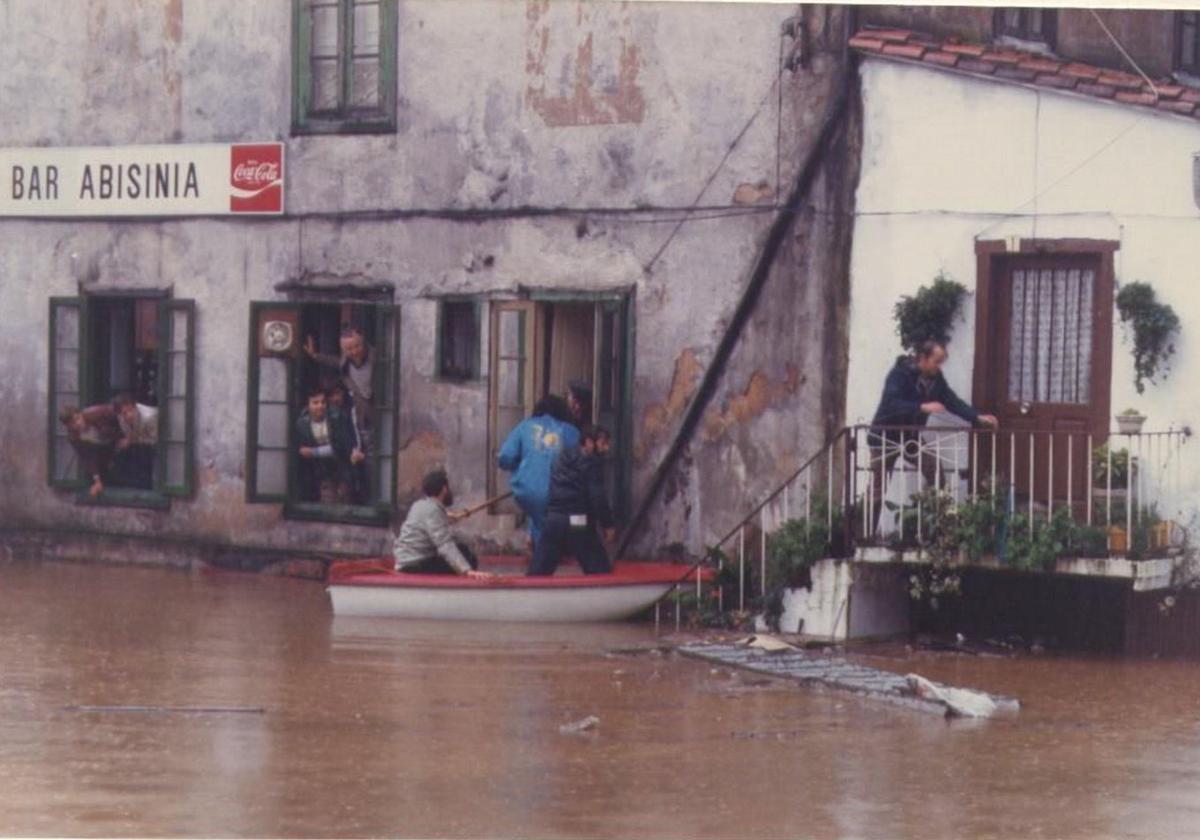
199 179
256 178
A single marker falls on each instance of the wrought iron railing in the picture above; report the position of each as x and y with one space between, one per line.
868 487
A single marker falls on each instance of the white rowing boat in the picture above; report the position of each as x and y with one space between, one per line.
369 589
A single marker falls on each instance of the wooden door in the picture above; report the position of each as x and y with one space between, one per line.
1049 318
512 373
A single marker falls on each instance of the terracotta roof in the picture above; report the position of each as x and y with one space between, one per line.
1010 65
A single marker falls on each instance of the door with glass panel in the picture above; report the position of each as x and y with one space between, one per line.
1050 372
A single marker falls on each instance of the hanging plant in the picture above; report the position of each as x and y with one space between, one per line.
930 313
1154 326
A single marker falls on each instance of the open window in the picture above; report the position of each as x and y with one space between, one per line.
347 354
138 347
541 345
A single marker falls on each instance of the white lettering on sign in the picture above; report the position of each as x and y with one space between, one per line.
185 180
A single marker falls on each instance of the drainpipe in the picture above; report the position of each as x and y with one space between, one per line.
834 120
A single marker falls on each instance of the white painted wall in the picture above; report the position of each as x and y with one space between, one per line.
949 159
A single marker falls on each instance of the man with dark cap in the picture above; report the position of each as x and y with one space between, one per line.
578 503
579 401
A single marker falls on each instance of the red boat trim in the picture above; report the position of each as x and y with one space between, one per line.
374 573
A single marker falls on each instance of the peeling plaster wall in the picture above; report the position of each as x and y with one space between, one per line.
501 105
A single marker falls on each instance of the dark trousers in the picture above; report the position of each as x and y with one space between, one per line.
435 565
886 449
558 537
133 467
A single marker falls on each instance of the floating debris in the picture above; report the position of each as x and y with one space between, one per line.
583 725
838 673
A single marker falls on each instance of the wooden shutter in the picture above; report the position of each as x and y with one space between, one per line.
611 396
68 322
177 406
511 367
268 401
384 400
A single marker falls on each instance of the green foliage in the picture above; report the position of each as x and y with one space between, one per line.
930 313
1120 467
794 547
1039 546
1154 326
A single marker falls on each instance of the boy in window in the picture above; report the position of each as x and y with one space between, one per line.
133 463
93 433
324 442
355 365
339 402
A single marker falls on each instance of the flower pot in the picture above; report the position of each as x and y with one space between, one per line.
1118 540
1130 424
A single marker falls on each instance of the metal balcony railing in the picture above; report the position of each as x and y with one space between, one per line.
869 486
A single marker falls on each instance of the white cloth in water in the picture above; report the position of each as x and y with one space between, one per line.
958 701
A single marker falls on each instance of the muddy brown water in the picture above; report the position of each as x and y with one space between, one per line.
320 727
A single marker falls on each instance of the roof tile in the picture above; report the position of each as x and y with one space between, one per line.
1025 67
1120 80
904 50
1004 57
1054 80
898 35
1178 107
1083 71
1016 74
1091 89
860 42
946 59
973 50
1135 98
972 65
1041 65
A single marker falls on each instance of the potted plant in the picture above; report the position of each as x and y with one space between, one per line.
930 313
1129 421
1154 327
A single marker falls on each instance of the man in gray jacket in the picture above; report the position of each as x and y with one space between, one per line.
425 544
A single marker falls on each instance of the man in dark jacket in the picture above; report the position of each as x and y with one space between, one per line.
324 441
914 389
578 503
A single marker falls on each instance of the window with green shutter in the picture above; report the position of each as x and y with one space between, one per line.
298 351
344 66
136 349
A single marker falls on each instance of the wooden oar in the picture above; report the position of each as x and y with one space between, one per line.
463 514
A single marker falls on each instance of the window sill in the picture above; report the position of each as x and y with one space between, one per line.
460 380
382 125
343 514
125 497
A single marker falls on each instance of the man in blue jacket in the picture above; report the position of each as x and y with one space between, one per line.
914 389
529 452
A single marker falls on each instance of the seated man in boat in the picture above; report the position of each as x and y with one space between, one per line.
529 452
578 503
425 544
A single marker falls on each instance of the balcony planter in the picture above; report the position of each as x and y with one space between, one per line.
1130 422
1118 540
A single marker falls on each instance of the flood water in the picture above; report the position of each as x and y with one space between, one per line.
314 726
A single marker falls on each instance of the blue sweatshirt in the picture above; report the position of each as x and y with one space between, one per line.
528 453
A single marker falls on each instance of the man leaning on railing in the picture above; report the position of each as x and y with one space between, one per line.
914 389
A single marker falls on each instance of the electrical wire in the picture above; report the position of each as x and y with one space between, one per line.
649 266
